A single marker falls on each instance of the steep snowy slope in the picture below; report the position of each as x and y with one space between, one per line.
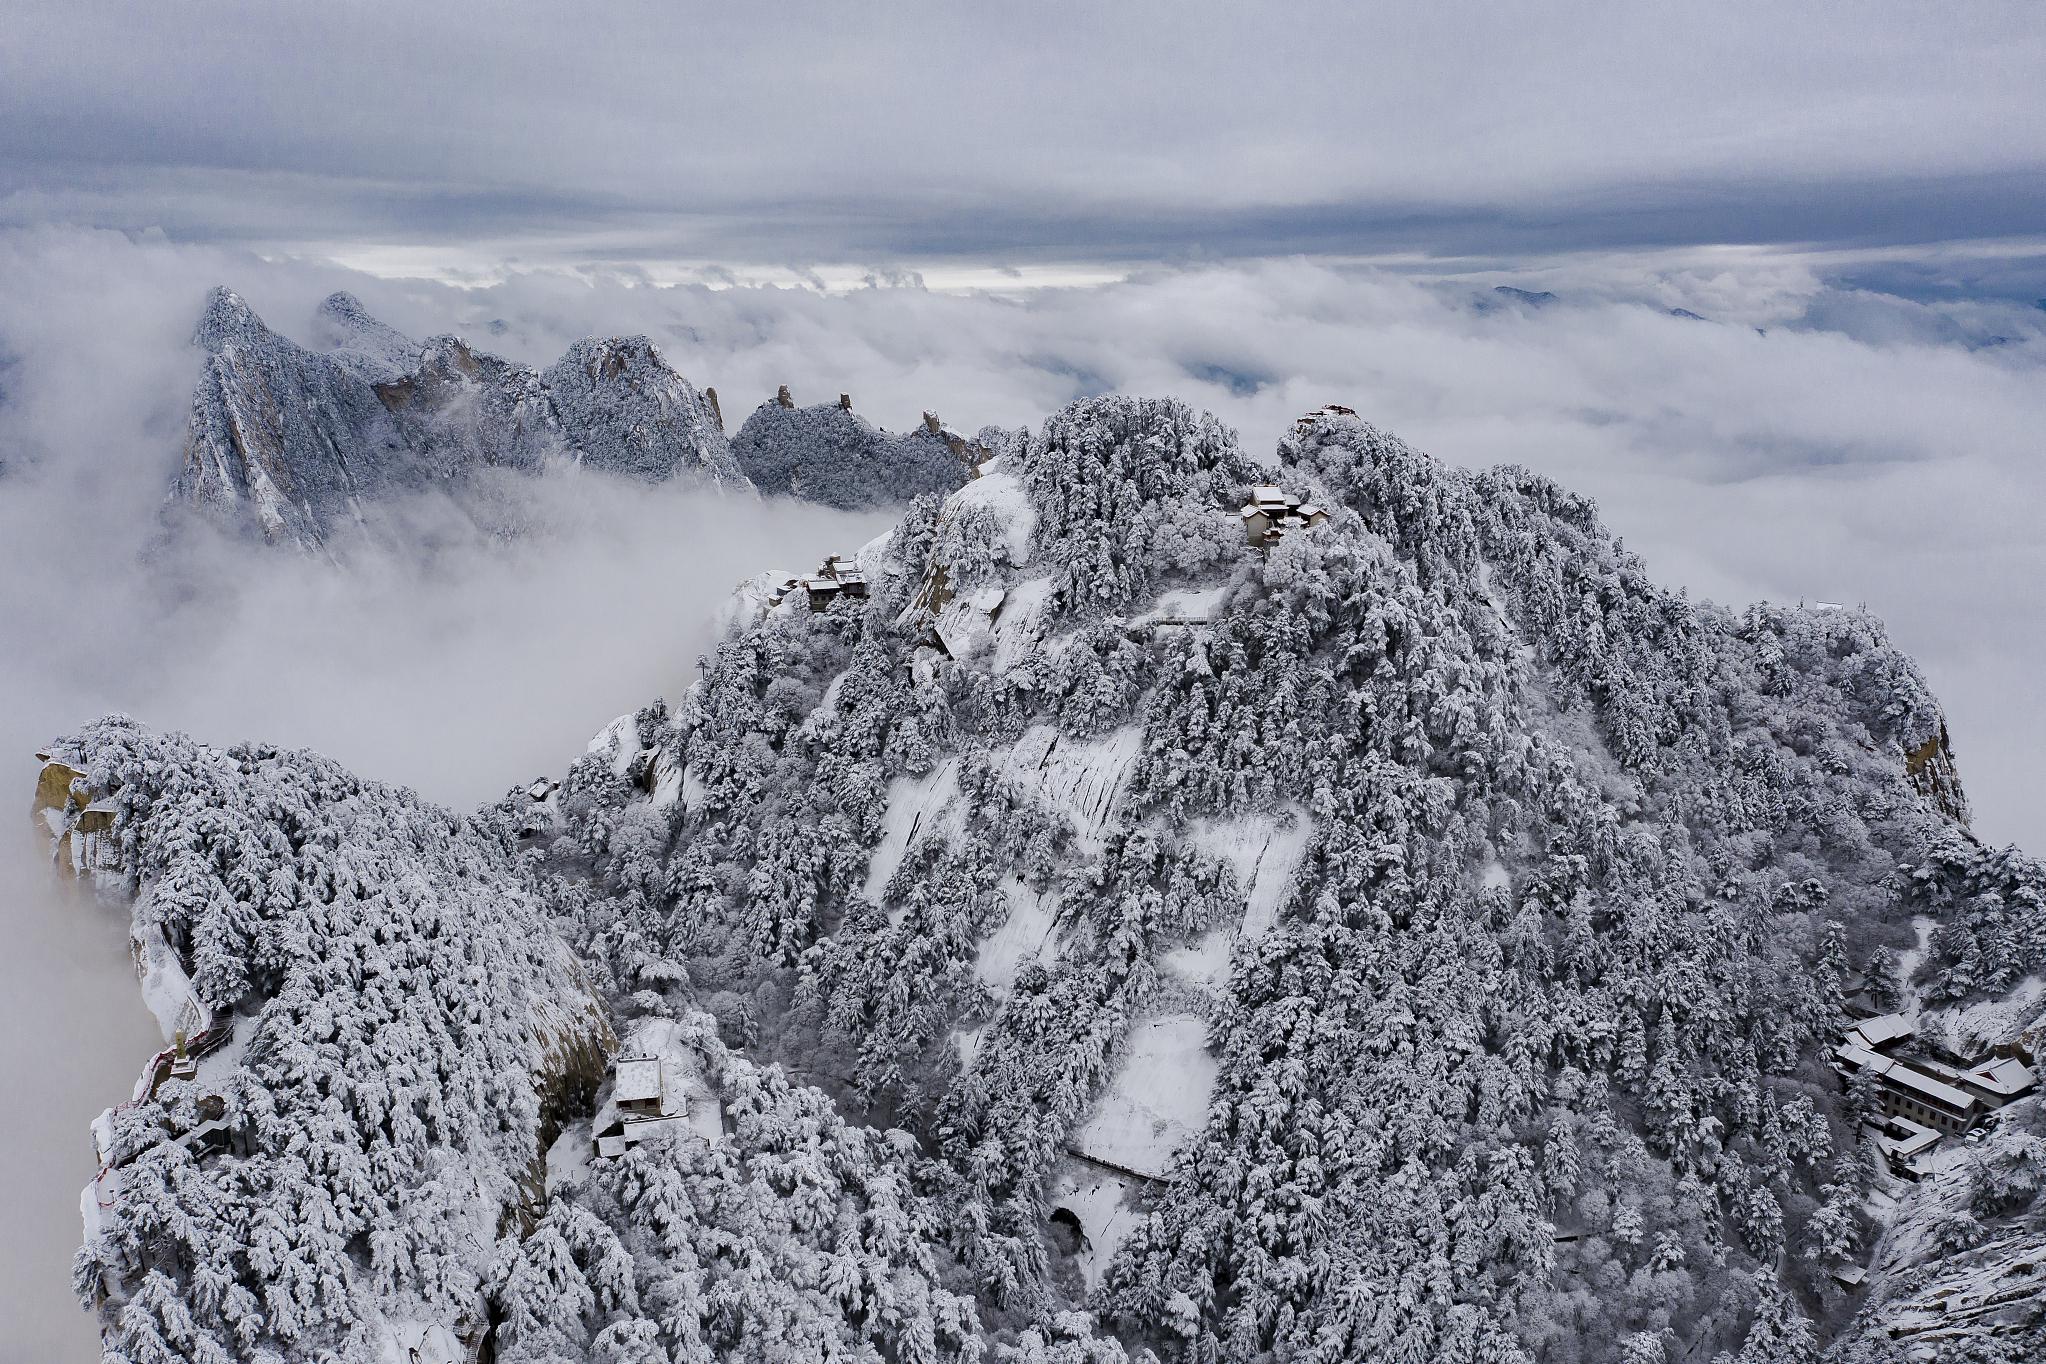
294 444
1416 936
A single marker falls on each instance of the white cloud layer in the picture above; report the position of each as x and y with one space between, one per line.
1866 448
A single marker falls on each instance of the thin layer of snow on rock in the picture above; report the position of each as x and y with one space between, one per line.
619 741
967 624
166 989
1029 930
1002 494
1185 605
415 1342
916 806
1974 1029
1101 1201
1158 1097
668 780
748 602
1019 630
1910 957
1082 779
1264 851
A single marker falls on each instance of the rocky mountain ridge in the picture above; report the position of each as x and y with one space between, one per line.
295 443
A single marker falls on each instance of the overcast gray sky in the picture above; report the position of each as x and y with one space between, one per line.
824 132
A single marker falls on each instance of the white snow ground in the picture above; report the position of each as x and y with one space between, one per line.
1159 1095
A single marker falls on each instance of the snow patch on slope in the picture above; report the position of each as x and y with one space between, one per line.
1029 930
1264 851
1099 1200
1019 630
916 806
1003 494
1159 1095
966 626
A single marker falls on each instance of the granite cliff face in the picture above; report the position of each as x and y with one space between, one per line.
294 444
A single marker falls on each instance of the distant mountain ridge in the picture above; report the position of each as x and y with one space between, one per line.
828 454
295 444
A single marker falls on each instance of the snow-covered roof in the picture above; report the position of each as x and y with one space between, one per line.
1906 1138
1906 1077
673 1124
639 1080
2005 1077
1877 1033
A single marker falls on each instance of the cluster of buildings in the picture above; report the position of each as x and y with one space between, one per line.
838 575
1927 1095
1273 513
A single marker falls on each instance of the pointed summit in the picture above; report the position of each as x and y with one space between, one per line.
372 349
227 318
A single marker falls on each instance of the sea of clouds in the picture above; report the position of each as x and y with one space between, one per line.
1797 440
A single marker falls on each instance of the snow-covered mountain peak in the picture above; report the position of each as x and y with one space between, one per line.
634 414
227 318
347 330
295 444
